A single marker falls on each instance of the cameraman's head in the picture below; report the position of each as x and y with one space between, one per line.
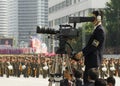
98 17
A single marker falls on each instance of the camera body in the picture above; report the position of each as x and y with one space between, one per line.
66 31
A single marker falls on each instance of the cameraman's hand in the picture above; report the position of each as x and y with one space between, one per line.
79 55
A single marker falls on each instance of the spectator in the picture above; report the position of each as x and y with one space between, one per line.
111 81
93 74
78 78
100 82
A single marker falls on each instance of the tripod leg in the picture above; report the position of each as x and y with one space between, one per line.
68 64
50 84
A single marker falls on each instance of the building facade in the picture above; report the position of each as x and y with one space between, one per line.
31 13
19 18
66 8
9 19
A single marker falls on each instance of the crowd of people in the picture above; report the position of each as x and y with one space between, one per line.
112 50
103 76
34 66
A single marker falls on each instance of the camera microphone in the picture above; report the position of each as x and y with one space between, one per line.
81 19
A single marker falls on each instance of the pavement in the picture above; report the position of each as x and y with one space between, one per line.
14 81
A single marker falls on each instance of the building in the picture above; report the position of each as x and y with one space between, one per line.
30 14
65 8
19 18
9 19
61 10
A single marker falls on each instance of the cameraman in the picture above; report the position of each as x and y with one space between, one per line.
93 51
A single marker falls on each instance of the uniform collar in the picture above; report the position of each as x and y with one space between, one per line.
97 25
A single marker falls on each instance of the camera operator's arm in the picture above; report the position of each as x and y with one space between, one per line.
94 44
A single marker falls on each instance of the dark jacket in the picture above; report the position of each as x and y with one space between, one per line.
64 82
94 49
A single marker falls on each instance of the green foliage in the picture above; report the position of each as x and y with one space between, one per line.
77 43
88 29
112 14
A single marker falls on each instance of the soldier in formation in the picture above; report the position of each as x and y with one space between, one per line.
34 66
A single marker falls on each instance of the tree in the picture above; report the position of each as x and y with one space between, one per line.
77 43
112 16
88 29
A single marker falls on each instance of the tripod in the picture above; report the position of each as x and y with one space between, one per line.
58 68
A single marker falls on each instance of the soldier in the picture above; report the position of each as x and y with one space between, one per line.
1 67
118 68
45 68
12 63
41 66
16 66
103 69
29 68
37 68
50 64
20 63
111 67
25 68
7 67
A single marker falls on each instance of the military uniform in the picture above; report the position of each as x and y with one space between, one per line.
1 68
7 69
16 69
26 67
111 69
45 69
103 70
118 68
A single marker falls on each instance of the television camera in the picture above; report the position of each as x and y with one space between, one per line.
65 32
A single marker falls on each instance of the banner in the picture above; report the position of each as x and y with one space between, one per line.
7 42
35 43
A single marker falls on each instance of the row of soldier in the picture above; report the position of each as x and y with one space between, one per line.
20 65
109 67
33 66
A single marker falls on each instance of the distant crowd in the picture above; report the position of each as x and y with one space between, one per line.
35 65
115 50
